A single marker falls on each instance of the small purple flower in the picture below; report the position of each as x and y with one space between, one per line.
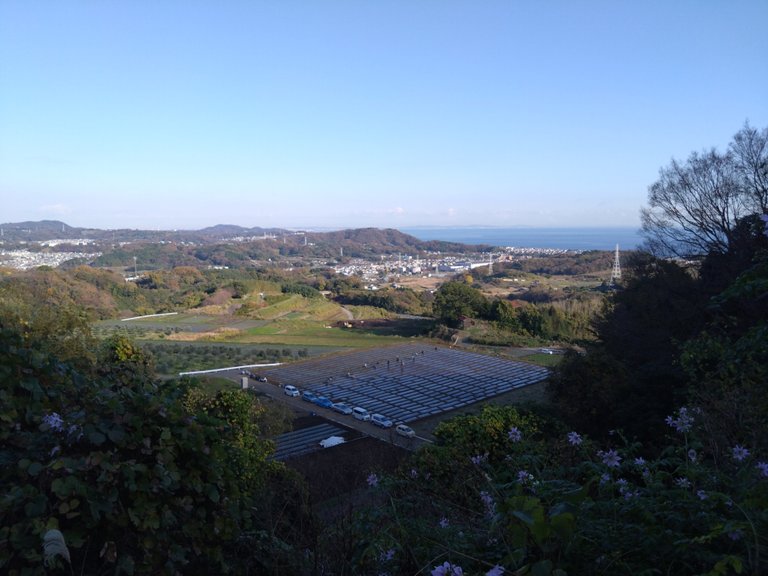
604 478
625 489
478 459
763 467
683 483
54 421
387 555
444 523
574 439
514 434
692 456
735 535
414 473
639 462
701 494
488 502
372 480
683 422
524 477
495 571
55 450
610 458
739 453
447 569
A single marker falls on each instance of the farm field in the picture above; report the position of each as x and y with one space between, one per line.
187 341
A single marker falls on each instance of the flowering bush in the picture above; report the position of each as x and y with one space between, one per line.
561 505
134 481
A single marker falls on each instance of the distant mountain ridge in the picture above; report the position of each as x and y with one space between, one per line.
55 229
352 242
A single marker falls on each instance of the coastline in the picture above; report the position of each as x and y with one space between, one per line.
588 238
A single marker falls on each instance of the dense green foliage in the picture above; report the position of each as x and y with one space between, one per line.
455 301
669 336
139 476
505 489
399 300
516 322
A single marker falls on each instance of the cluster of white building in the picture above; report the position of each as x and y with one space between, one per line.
437 265
26 260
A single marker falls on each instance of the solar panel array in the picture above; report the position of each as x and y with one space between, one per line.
303 441
409 382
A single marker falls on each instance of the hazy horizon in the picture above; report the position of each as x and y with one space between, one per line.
341 115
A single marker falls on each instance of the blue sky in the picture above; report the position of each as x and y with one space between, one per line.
146 114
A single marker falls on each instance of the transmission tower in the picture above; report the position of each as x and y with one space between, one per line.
616 272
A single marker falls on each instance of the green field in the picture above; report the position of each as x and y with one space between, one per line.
174 357
287 328
308 333
186 342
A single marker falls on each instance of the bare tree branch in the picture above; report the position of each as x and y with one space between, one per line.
694 206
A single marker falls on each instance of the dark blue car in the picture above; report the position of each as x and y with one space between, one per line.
323 401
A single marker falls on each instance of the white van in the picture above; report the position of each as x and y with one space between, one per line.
361 414
291 391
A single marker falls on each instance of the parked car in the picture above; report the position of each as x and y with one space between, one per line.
342 407
381 420
323 401
261 378
332 441
361 414
308 396
291 391
404 430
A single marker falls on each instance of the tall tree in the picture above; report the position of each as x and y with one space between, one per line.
455 301
695 205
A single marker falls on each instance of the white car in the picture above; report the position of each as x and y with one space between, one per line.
404 430
381 420
291 391
361 414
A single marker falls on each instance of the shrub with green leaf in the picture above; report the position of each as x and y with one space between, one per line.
140 477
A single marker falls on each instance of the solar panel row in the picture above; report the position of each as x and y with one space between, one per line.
411 381
303 441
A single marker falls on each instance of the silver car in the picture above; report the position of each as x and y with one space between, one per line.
342 408
381 420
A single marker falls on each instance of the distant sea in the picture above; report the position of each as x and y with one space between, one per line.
559 238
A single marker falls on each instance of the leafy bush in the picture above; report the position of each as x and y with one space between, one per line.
496 493
139 476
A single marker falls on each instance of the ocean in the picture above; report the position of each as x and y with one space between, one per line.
558 238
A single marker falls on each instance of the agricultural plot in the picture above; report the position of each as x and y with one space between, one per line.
291 329
408 382
173 325
174 357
